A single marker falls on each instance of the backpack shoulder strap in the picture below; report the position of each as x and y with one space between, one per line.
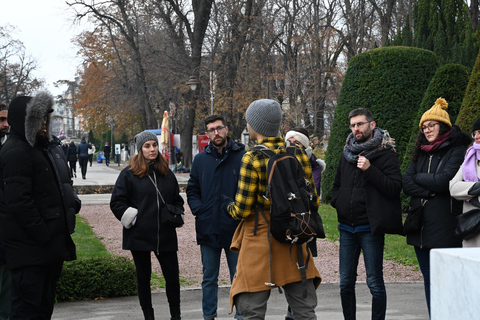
263 149
291 148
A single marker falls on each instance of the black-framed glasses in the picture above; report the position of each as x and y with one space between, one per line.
218 129
429 126
474 133
359 125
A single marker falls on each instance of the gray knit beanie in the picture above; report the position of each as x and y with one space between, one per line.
264 116
143 137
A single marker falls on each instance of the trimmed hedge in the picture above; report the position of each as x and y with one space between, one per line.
91 278
390 82
470 109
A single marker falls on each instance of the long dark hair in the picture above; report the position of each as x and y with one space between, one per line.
140 166
422 140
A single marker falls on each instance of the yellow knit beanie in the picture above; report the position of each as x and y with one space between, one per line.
437 112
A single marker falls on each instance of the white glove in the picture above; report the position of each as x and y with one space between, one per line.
129 217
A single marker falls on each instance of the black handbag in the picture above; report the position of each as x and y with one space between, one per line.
414 220
468 224
169 214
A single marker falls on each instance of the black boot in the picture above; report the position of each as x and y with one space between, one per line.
175 313
148 314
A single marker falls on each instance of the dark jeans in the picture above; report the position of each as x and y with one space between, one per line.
83 161
169 263
90 159
107 158
423 257
372 246
33 291
211 266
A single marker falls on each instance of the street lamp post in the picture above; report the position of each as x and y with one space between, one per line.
157 111
193 83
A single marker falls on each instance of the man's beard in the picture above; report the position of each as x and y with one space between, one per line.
221 144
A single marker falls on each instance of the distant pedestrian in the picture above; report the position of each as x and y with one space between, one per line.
106 152
72 158
136 201
65 148
91 152
82 150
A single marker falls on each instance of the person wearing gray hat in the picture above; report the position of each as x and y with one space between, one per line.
258 260
140 193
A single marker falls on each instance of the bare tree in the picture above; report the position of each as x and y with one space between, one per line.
16 68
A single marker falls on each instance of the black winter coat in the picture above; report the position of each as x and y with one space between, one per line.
428 178
72 152
148 233
361 196
212 176
33 220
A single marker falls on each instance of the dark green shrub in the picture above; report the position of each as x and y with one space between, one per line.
91 278
470 109
388 81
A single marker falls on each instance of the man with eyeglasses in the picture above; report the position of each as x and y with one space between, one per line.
215 171
367 185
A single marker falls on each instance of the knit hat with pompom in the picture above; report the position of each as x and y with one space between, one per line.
437 112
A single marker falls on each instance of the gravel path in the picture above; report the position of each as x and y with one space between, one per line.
109 230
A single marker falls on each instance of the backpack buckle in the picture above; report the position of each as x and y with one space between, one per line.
292 196
300 267
270 284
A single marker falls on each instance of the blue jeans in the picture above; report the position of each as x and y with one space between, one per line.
372 246
211 267
423 257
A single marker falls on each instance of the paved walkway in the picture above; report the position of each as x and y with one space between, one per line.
406 301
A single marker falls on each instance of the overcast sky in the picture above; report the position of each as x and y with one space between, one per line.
45 27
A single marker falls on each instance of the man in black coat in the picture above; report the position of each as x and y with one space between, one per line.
366 189
35 201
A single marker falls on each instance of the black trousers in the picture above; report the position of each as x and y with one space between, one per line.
83 161
33 291
169 263
73 167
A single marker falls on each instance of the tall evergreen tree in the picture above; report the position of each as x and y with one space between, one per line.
444 27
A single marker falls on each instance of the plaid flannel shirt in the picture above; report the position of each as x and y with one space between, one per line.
253 181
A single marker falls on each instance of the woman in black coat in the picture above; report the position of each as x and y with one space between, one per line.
438 153
136 203
72 158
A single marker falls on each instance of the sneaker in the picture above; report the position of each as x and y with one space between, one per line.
84 177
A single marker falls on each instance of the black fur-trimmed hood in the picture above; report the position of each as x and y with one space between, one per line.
458 138
26 114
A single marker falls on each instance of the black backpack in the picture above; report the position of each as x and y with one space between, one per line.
293 214
294 218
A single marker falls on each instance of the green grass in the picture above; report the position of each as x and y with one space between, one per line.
89 246
396 247
86 241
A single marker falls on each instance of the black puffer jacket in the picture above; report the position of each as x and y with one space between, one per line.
148 233
33 220
72 152
428 178
359 196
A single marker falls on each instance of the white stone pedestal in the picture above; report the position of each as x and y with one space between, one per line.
455 283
